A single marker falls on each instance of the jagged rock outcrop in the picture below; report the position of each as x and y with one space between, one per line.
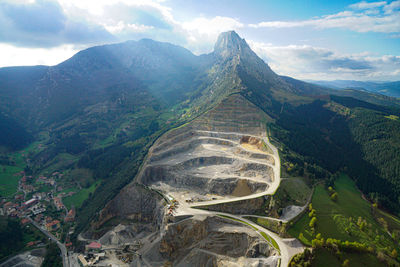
213 240
242 207
134 203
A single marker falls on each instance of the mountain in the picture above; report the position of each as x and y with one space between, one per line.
384 88
92 75
129 125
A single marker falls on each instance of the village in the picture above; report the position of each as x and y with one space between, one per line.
44 208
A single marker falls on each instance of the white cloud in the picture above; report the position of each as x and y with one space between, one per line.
122 26
98 7
365 5
307 62
198 34
212 26
19 56
201 33
366 20
395 5
136 19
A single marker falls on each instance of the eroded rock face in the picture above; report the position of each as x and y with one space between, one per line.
242 207
134 203
212 241
126 234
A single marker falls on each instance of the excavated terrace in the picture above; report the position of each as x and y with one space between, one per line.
221 154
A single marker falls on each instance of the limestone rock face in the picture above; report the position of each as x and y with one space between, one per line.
136 204
212 241
242 207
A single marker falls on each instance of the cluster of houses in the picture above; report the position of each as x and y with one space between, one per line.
53 225
58 203
45 180
29 203
36 205
23 185
21 209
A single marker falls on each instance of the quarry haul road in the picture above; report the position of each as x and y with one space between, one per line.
286 251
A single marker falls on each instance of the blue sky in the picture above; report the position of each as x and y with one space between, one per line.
306 39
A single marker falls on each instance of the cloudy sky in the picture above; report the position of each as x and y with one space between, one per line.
305 39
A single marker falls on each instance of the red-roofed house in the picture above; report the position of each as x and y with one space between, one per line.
70 216
52 226
93 246
9 205
24 221
58 203
31 243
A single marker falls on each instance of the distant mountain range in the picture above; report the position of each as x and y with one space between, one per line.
385 88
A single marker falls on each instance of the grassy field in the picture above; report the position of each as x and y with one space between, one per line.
77 199
393 223
61 162
272 225
392 117
324 258
341 219
9 182
293 191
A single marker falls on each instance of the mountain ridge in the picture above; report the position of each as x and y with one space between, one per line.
116 120
391 88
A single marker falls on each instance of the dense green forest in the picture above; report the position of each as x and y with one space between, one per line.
12 134
345 134
14 236
11 237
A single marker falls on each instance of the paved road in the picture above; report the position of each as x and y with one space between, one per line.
63 249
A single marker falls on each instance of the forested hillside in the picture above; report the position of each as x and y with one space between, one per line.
345 134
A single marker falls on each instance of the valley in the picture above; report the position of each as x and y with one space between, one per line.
144 154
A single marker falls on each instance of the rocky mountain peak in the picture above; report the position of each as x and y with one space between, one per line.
230 43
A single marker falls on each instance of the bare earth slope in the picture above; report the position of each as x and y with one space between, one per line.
221 156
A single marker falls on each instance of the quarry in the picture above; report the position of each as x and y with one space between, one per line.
219 159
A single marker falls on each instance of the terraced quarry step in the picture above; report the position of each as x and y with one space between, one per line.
219 157
218 162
